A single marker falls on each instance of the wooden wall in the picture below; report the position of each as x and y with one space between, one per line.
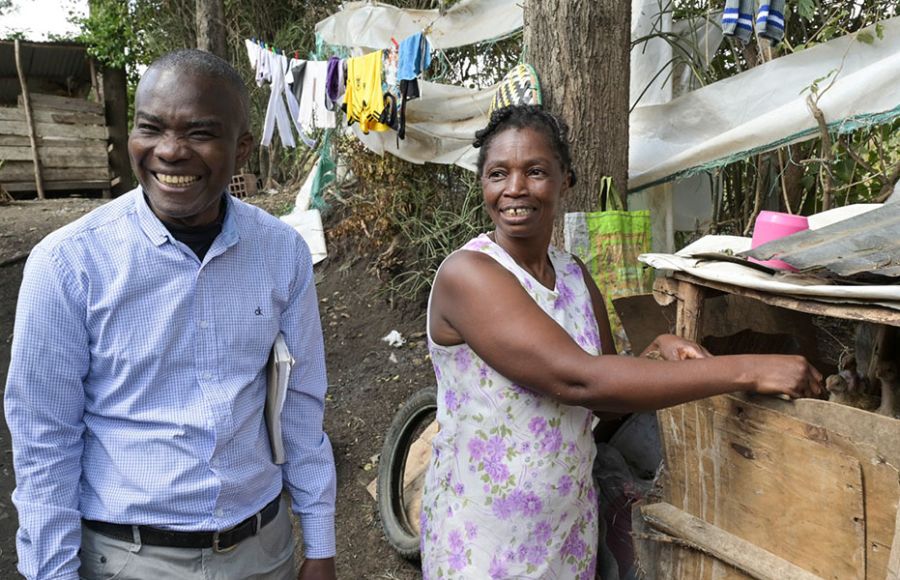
72 145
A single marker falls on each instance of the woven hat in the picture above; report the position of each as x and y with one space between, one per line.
520 86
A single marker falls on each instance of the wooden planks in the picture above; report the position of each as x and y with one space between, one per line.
803 491
42 101
51 130
745 556
764 478
71 141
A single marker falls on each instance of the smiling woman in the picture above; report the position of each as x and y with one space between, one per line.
515 330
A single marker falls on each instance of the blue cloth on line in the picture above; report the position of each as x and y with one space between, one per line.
738 20
137 382
414 57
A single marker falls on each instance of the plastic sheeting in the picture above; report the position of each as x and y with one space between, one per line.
780 283
371 25
765 107
755 111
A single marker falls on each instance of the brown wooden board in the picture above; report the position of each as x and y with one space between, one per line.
55 130
765 484
53 116
92 155
22 171
42 101
56 185
746 557
876 314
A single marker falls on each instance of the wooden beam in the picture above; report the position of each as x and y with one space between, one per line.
688 311
32 133
19 186
18 171
709 539
894 561
875 314
42 101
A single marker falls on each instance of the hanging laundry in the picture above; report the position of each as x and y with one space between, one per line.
738 21
293 87
276 112
314 114
335 82
391 67
364 97
252 52
770 21
414 57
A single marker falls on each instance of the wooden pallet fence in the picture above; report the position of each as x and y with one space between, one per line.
71 136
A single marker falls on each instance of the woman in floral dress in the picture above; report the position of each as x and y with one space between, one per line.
515 328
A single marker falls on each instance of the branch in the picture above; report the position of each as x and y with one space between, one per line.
827 153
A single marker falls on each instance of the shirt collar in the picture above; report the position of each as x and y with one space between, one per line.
157 233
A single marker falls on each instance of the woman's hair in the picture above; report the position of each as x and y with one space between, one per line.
530 117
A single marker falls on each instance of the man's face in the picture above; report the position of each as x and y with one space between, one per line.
188 138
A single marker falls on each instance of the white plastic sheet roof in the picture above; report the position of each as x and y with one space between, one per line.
754 111
371 24
783 283
765 107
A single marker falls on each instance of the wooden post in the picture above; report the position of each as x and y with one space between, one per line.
689 310
32 134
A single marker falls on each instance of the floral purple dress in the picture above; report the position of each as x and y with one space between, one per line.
509 493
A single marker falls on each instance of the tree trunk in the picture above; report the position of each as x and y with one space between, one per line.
580 50
211 27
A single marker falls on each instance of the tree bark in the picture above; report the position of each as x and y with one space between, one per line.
211 27
580 50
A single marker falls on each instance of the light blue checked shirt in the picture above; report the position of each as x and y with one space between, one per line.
139 373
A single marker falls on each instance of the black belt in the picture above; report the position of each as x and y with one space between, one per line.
220 541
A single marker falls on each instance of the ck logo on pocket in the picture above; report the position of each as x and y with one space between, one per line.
258 311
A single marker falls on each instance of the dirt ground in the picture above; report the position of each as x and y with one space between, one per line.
366 386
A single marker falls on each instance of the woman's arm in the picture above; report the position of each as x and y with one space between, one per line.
478 302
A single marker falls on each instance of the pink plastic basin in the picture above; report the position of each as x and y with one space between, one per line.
771 225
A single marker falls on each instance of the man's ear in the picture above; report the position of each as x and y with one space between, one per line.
244 148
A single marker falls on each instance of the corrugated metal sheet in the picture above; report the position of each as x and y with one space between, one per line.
864 248
64 64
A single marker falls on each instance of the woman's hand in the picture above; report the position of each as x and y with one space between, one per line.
788 375
671 347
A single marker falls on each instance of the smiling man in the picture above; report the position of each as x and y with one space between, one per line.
137 383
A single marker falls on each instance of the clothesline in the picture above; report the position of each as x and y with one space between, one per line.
372 90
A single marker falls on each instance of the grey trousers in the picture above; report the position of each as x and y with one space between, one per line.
267 556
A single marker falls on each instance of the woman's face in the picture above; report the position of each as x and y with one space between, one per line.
522 181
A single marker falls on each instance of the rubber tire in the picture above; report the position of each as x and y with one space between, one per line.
391 465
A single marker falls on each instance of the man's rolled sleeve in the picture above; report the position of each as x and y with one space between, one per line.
44 404
309 471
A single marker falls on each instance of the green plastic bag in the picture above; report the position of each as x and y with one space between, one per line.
609 242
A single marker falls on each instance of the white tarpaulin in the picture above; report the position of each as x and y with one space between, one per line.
371 25
766 107
441 125
754 111
780 283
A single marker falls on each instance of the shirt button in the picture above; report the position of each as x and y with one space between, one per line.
207 376
220 512
204 324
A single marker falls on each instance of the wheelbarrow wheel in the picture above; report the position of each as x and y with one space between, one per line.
400 527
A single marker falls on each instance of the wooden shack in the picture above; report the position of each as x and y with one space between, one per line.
763 488
56 123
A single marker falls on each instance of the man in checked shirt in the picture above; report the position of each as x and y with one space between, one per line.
136 389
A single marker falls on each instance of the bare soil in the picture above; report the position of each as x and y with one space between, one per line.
366 385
